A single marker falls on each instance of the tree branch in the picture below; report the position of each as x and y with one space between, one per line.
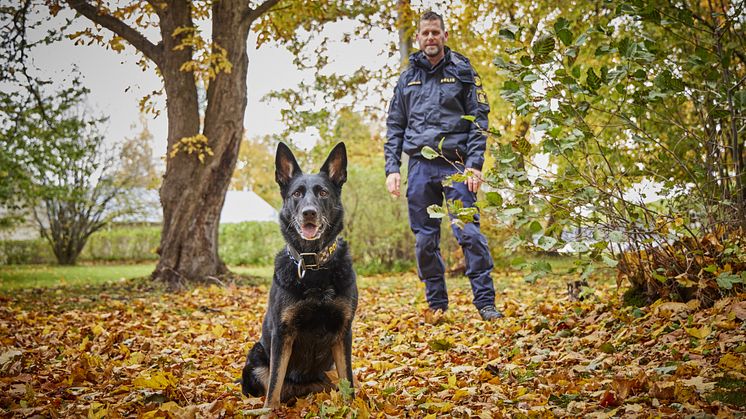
254 14
135 38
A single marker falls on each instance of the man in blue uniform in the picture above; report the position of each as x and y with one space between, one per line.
432 95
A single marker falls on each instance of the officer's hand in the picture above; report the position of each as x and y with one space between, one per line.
474 179
392 183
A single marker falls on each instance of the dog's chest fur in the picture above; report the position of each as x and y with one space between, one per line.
316 309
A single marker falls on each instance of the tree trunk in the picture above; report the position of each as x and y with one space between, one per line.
403 23
193 192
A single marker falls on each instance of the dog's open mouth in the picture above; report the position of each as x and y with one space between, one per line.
310 231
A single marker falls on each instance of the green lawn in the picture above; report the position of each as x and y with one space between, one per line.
14 277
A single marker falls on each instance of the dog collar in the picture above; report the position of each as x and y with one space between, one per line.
312 261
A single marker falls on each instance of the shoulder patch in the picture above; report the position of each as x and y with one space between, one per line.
482 96
477 81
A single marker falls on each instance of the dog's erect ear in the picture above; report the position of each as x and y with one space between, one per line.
335 165
286 167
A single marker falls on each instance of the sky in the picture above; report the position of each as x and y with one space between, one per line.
117 83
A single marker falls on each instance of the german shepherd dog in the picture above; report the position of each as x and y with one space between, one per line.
313 298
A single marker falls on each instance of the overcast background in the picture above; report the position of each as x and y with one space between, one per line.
117 83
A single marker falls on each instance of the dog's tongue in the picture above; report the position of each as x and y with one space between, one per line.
309 231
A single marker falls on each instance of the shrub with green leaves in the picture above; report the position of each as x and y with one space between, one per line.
250 243
646 100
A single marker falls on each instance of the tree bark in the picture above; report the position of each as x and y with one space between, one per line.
193 193
403 23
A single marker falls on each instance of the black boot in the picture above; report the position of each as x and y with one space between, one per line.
490 313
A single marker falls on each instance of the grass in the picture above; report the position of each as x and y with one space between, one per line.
16 277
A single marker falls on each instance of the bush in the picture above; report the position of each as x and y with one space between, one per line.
376 226
25 252
123 243
250 243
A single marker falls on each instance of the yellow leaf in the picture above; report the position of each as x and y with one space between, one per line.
731 362
84 344
699 333
135 358
98 329
218 330
460 394
97 411
157 380
451 381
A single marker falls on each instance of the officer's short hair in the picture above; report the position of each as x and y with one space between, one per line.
430 15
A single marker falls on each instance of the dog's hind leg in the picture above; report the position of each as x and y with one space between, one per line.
282 347
255 372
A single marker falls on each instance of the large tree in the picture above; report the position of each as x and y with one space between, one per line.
203 137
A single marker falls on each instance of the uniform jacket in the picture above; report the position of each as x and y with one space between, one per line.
427 106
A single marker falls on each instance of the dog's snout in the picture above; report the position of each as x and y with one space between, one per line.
309 213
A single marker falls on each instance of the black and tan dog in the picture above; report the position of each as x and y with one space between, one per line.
313 298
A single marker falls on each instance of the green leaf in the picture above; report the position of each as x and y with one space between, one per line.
429 153
711 269
727 279
436 211
345 388
512 211
592 79
543 45
609 261
535 227
494 199
565 36
541 267
508 32
547 242
470 118
560 24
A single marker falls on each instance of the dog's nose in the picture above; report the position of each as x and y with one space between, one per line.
309 212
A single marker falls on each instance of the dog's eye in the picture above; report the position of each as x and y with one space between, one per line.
323 193
297 194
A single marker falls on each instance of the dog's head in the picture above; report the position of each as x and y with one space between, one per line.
311 214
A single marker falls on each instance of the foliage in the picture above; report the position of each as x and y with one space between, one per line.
25 252
20 89
137 167
180 354
640 95
253 170
250 243
128 243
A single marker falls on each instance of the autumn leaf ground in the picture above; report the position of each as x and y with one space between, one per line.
131 349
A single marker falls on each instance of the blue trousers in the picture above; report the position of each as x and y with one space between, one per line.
425 188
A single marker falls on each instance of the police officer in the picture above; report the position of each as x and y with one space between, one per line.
432 95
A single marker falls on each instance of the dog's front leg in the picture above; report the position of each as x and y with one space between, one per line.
342 354
282 346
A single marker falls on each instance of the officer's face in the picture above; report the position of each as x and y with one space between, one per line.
431 38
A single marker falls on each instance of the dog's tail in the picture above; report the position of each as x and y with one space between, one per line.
255 372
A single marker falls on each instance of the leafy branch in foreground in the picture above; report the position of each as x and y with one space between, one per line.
633 155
